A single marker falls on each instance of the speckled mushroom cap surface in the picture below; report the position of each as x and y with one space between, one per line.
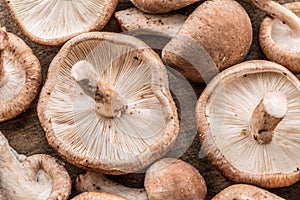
97 196
243 191
144 128
161 6
217 31
226 112
21 78
54 22
278 43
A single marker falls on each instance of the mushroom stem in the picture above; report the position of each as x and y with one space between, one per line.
268 113
96 182
3 45
108 101
278 11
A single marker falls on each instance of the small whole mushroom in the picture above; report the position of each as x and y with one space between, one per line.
218 34
20 75
97 196
279 35
37 177
167 178
161 6
251 110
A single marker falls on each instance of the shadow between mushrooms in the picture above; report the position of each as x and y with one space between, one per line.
37 177
54 22
106 105
20 75
248 120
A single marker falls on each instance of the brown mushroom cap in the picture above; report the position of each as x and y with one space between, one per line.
21 80
37 177
227 120
144 128
97 196
278 43
133 19
55 22
161 6
174 179
221 27
243 191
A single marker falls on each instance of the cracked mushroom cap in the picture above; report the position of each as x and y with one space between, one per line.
106 105
37 177
219 28
55 22
20 75
248 120
174 179
161 6
243 191
280 41
97 196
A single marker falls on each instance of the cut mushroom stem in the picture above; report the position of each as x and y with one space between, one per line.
278 11
268 113
107 101
3 44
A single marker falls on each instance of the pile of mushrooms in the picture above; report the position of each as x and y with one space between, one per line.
106 105
20 75
37 177
167 178
248 120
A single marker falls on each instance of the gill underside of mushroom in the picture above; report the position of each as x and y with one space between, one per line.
96 182
21 180
268 113
108 102
278 11
3 44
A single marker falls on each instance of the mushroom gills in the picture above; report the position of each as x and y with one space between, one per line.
17 180
229 112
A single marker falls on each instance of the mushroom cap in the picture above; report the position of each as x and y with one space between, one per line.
277 42
39 20
97 196
243 191
174 179
161 6
38 176
222 27
145 130
223 114
23 78
133 19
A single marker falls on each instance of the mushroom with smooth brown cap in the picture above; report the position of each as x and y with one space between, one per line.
251 111
279 34
97 196
222 28
167 178
161 6
37 177
243 191
20 75
106 105
133 19
54 22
